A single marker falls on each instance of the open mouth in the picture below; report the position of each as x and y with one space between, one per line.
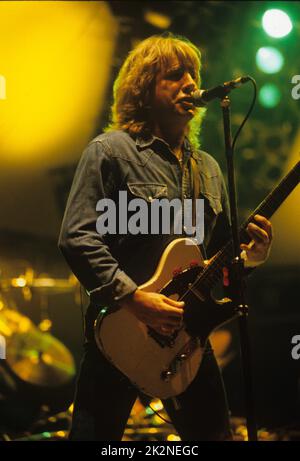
186 102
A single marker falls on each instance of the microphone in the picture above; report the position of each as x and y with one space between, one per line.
202 97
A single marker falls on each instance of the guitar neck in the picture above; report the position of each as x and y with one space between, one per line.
214 271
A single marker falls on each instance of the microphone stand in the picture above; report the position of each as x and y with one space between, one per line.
237 281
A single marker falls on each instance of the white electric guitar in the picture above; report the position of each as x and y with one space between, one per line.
164 366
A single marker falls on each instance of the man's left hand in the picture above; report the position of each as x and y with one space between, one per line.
258 249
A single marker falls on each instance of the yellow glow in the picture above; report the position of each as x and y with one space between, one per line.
173 438
27 294
24 325
157 421
19 282
44 282
4 329
160 20
242 430
45 325
47 359
2 87
152 430
157 405
55 59
34 359
286 221
71 408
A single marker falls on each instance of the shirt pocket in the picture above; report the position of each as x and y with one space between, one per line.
148 191
211 190
214 203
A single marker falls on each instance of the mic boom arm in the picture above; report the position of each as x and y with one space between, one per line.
202 97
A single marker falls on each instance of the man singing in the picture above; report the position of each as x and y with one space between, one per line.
147 150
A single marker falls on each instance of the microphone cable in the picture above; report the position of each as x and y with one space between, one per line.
248 113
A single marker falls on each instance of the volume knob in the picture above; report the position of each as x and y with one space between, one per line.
166 375
182 357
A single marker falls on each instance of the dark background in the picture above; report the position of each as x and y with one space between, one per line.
228 35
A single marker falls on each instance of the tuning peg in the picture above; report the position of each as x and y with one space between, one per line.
166 375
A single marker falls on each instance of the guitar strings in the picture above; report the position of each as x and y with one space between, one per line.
267 207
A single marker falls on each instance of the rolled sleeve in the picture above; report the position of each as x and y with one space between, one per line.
121 286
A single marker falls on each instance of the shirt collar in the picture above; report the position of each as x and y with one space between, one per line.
143 142
146 140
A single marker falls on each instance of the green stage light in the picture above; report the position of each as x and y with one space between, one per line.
269 95
149 411
276 23
269 59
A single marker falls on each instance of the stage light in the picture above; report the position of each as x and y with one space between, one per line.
173 438
269 96
276 23
56 68
269 59
2 87
156 19
19 282
149 411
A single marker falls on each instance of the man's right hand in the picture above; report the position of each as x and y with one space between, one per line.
159 312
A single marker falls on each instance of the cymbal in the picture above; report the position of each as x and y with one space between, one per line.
11 321
40 359
36 357
44 284
55 286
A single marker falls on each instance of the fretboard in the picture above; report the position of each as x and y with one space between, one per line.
214 271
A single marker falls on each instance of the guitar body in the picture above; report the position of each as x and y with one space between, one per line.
164 366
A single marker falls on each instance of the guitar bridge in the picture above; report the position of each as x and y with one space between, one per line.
183 355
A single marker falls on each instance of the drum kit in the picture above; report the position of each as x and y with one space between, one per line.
37 370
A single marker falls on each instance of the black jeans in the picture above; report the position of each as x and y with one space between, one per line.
104 398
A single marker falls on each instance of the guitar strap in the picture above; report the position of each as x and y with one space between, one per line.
195 181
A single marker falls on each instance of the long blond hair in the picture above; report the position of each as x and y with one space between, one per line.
133 86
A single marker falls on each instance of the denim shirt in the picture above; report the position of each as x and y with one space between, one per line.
112 266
